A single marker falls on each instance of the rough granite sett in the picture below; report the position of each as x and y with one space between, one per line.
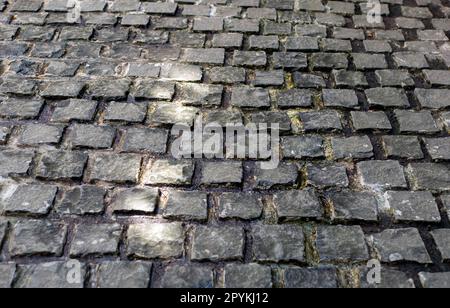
81 200
217 243
245 206
341 243
155 240
306 278
120 168
37 237
380 174
407 147
247 276
48 276
412 206
357 147
396 245
348 205
435 280
162 172
186 206
28 199
187 276
135 200
97 239
294 205
122 274
278 243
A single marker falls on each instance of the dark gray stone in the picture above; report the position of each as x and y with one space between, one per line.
217 243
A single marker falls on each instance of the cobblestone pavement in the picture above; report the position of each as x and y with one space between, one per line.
86 108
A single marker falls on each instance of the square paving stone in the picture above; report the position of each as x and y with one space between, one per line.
7 272
62 89
340 98
438 148
122 274
246 97
396 245
155 240
110 90
15 162
263 42
204 56
199 94
349 78
91 136
35 134
381 174
341 243
145 140
97 239
247 276
416 122
437 77
429 176
308 278
364 61
227 75
37 237
387 97
402 147
391 279
228 40
22 108
150 89
222 173
127 112
329 61
249 58
276 243
326 120
187 276
135 201
297 204
28 199
48 275
169 113
372 120
433 98
81 200
412 60
120 168
181 72
57 165
435 280
294 98
74 109
245 206
217 243
182 205
324 176
286 174
357 147
166 172
442 239
349 205
289 60
412 206
303 147
394 78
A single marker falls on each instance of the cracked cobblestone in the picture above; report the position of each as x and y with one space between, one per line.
86 169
